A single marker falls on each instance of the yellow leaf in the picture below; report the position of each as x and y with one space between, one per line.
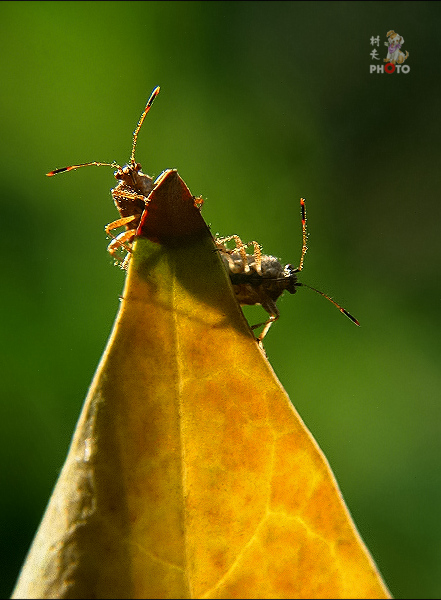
190 474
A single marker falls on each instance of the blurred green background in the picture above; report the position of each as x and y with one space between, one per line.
261 103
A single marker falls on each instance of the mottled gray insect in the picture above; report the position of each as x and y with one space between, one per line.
261 279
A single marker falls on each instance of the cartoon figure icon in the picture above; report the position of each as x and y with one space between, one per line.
394 43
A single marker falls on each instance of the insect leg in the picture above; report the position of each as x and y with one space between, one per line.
240 247
119 241
267 324
118 223
271 308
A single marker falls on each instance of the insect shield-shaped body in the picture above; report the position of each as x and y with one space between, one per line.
261 279
130 195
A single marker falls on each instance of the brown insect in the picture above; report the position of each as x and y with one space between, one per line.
261 279
130 195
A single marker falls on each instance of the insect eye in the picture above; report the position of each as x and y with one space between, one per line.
291 274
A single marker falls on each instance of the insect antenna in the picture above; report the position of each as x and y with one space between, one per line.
114 164
73 167
141 121
340 308
300 267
